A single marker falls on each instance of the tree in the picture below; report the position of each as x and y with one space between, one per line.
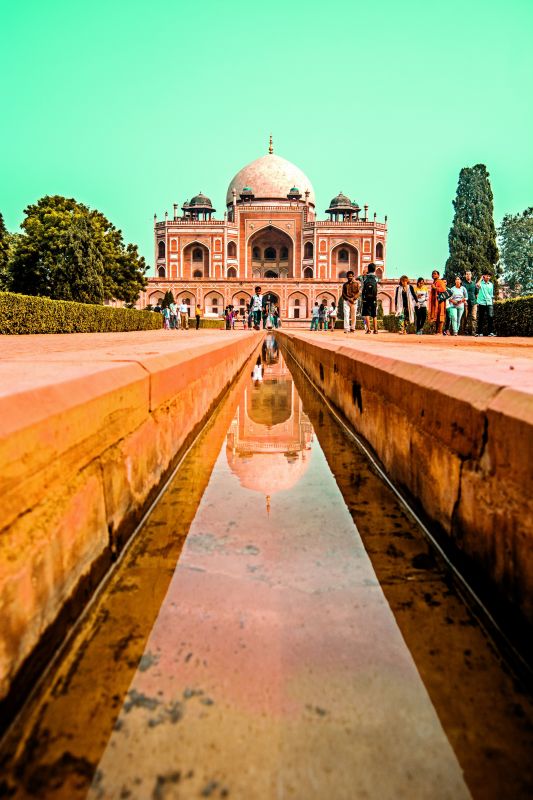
167 299
472 237
516 245
4 254
70 252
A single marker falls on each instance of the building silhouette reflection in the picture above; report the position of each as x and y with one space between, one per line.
269 441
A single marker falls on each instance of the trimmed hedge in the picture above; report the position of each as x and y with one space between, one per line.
21 313
391 324
209 323
514 317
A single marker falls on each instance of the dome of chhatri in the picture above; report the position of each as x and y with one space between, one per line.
200 200
272 178
340 201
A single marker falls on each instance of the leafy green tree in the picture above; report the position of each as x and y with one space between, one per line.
472 237
70 252
167 299
516 246
4 252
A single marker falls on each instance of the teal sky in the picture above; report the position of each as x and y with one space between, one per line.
130 106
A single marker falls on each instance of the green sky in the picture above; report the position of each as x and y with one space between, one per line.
131 106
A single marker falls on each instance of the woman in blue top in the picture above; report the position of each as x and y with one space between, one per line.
458 299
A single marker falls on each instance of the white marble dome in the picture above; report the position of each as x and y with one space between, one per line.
271 178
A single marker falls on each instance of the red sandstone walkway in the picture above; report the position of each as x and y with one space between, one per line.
504 362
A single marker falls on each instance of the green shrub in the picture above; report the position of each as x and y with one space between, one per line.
391 323
514 317
209 323
21 313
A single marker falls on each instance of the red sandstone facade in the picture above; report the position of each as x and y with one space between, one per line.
269 236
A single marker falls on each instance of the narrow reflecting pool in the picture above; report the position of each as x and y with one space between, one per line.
278 629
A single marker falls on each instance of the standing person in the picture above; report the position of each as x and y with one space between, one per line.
471 305
421 311
370 298
197 314
437 308
485 303
448 323
173 315
256 307
275 317
166 317
184 315
323 316
458 300
315 316
265 314
405 303
350 293
332 315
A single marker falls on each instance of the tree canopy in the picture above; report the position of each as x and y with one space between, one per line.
472 237
516 246
68 251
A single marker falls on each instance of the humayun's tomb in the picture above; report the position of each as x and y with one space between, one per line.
269 235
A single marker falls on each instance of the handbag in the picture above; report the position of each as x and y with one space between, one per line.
443 296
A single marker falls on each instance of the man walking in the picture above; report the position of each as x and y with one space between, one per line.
257 308
370 298
485 301
471 305
350 293
198 314
184 315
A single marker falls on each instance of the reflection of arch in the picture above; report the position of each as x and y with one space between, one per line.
344 257
379 251
297 306
232 272
161 250
308 273
214 304
232 250
189 299
195 256
308 250
270 254
161 272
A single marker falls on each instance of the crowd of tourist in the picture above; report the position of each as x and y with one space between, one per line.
466 307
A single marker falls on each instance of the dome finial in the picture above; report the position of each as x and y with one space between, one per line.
270 146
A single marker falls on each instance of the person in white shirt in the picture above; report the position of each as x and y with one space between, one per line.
421 311
184 315
458 300
257 307
173 315
257 374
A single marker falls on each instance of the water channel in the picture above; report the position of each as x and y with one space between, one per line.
278 628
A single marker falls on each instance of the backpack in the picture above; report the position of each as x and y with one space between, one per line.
370 289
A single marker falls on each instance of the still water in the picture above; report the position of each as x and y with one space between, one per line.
278 629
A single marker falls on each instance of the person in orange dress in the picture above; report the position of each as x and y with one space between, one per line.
437 310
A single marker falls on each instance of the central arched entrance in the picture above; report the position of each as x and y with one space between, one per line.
270 252
271 298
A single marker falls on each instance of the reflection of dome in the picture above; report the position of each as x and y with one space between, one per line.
268 473
272 177
270 402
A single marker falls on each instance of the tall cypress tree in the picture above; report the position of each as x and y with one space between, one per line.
472 237
4 254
